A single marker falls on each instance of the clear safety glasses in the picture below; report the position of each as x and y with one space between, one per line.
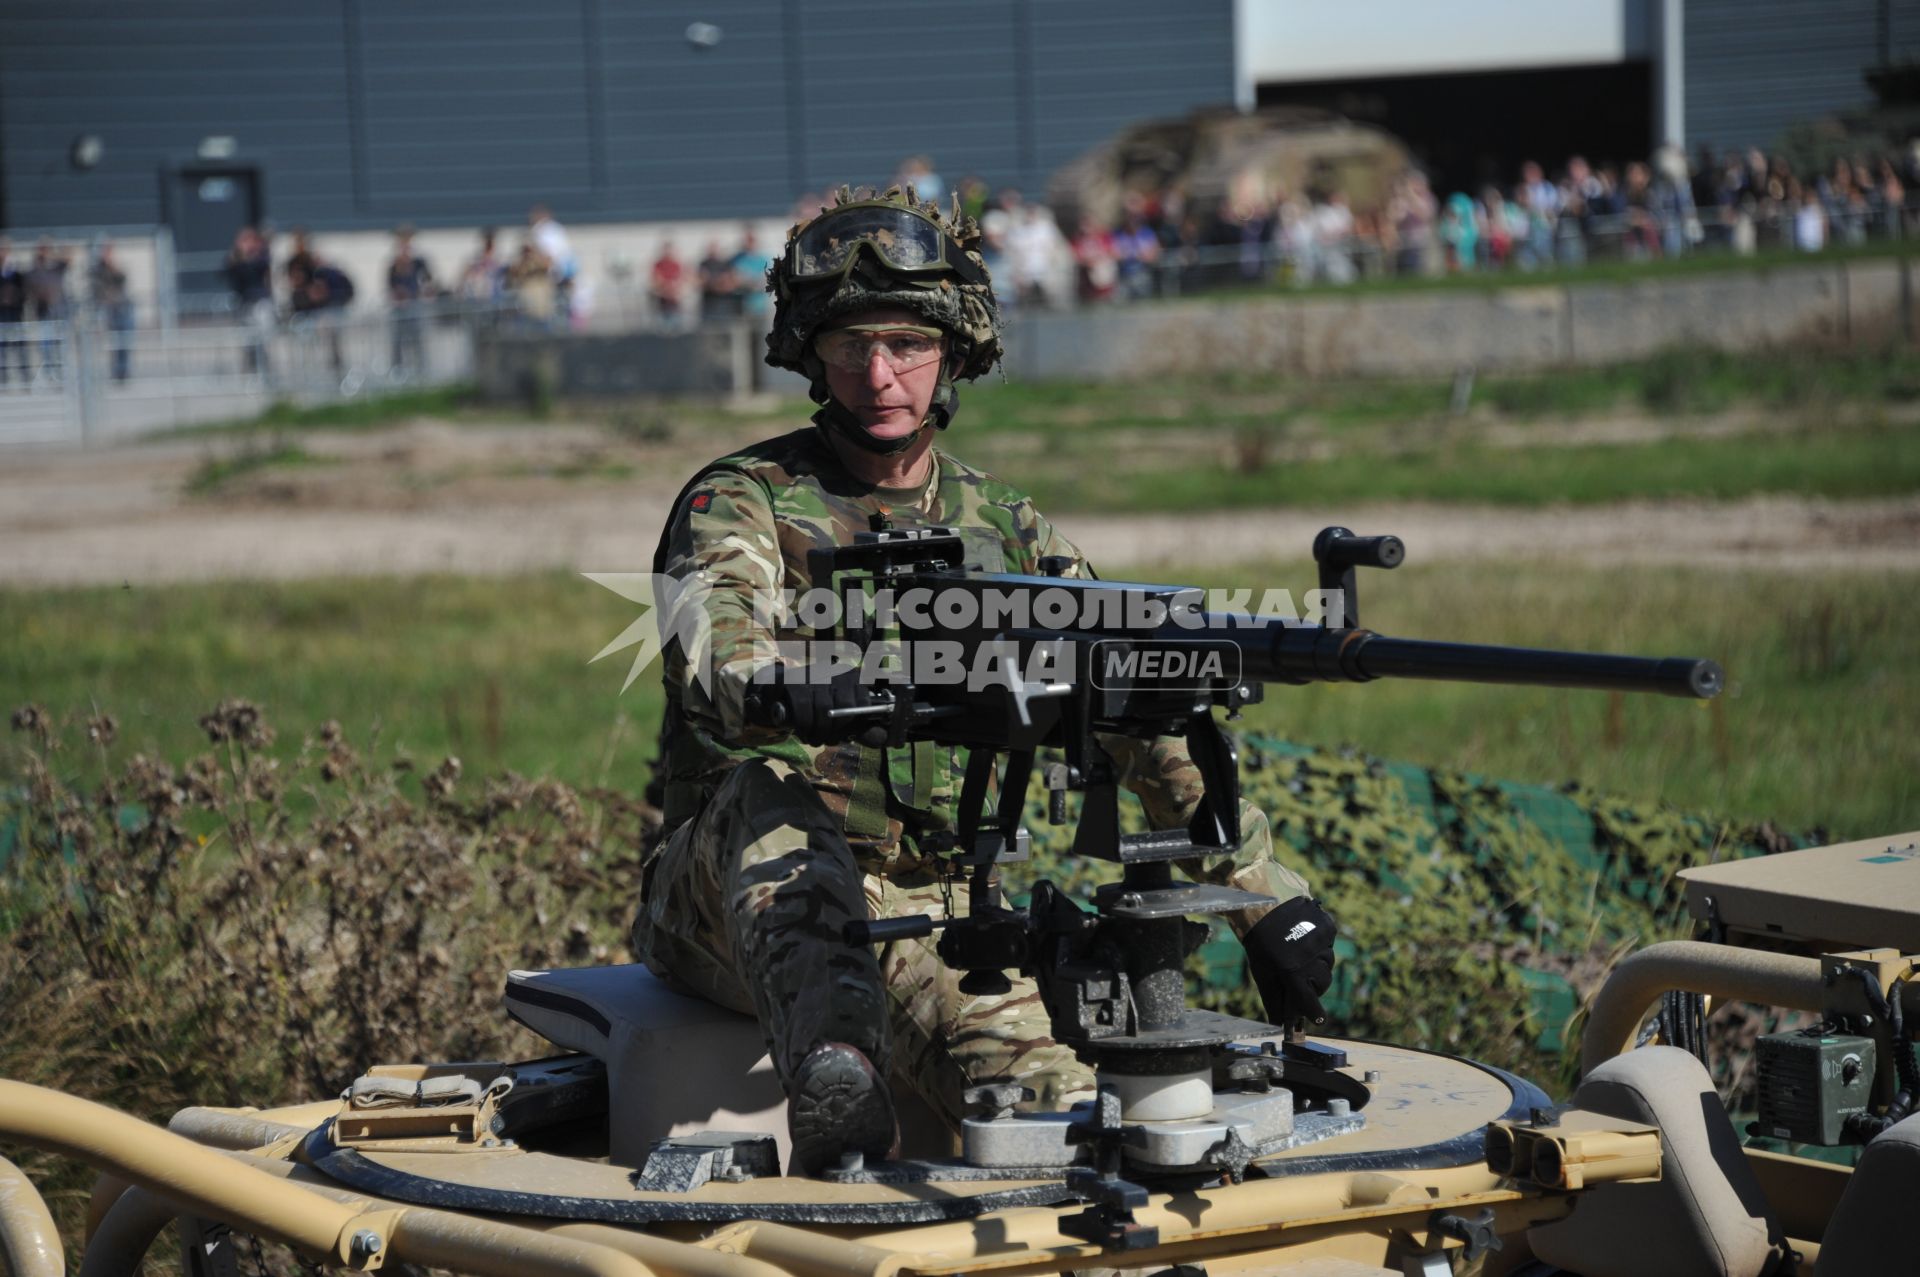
904 346
907 242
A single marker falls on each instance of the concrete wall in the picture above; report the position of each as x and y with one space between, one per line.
708 362
1516 329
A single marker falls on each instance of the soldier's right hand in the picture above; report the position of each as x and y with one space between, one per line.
818 703
1290 956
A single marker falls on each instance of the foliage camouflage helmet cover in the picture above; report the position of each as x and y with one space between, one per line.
866 251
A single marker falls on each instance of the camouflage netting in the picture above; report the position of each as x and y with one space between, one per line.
1476 916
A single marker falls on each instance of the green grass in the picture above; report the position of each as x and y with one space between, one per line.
1695 380
493 671
1734 425
1674 383
598 468
1816 730
1811 731
368 413
1815 425
1875 459
215 473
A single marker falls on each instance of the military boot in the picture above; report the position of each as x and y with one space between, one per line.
839 1105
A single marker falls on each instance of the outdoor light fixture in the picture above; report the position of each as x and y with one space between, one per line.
86 151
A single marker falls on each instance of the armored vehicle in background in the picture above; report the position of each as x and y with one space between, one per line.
1217 157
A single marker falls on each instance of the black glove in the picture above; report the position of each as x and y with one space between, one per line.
802 698
1290 954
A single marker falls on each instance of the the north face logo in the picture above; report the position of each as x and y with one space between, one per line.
1300 928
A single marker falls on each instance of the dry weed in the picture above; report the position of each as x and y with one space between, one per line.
251 929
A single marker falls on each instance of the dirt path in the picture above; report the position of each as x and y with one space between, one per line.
489 500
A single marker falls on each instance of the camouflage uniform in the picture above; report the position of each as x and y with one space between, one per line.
776 844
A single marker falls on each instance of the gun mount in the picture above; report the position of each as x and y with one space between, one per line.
1073 659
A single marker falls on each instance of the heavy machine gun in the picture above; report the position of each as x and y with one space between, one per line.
1052 662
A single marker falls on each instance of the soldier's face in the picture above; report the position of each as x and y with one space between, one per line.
889 404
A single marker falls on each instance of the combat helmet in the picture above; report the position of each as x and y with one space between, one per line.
869 250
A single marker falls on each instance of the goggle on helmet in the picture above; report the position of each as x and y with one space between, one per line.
902 240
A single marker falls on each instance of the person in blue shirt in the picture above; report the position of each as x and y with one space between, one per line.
749 267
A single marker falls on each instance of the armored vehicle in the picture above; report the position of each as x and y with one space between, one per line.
652 1139
1216 156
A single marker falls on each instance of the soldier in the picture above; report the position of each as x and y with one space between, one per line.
773 845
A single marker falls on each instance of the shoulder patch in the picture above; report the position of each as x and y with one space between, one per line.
700 500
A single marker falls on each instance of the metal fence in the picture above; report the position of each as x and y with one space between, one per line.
86 381
144 253
96 375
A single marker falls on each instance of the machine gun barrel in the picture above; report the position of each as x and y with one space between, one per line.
1693 677
1282 653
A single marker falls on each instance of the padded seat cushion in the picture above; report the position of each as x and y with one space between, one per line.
1705 1217
1871 1232
675 1064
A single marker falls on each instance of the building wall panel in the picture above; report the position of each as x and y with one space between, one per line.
363 113
691 131
931 78
1101 64
1754 68
152 81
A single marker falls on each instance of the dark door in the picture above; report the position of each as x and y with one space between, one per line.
206 206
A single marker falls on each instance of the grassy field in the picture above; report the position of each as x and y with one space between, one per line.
1688 424
1869 460
1815 729
1808 733
1674 383
1695 424
493 671
370 413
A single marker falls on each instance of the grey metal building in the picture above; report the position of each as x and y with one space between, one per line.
345 114
1755 68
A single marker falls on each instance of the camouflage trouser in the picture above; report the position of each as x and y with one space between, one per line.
744 905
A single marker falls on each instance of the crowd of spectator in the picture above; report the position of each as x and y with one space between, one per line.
1160 243
538 278
1662 207
303 290
535 285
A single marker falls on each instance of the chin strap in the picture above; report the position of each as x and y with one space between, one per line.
834 418
837 421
